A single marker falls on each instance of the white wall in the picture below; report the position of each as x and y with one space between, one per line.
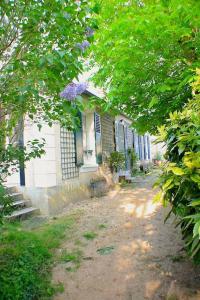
44 171
156 148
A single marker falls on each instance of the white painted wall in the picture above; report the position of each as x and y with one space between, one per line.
42 172
156 148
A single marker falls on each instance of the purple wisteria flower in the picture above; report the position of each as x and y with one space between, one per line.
69 92
89 31
81 87
72 90
82 46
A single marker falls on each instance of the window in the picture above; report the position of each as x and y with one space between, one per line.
68 154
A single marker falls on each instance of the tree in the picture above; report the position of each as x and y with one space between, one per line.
41 50
147 52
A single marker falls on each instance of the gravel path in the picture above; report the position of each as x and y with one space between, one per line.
144 258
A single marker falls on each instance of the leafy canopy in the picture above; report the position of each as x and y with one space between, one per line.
39 56
147 52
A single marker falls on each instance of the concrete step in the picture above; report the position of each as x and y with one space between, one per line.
18 204
11 189
16 196
22 208
23 213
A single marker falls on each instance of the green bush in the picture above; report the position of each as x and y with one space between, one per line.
180 180
26 259
116 161
133 160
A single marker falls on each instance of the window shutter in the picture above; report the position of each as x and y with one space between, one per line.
97 126
136 144
116 136
148 147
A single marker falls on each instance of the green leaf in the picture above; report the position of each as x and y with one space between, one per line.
196 230
176 170
154 101
168 184
195 202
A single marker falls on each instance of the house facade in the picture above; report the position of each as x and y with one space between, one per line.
74 159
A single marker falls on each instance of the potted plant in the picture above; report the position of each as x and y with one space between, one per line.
133 160
157 159
116 162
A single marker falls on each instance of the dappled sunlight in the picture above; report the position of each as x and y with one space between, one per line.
135 245
141 210
123 264
151 287
130 276
129 208
128 225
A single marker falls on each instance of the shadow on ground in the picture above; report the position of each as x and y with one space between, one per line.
147 261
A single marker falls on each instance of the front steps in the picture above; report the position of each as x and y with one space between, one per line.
22 209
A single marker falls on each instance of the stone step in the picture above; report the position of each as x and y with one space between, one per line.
11 189
23 213
19 203
16 196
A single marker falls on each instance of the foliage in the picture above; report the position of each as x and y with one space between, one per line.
180 180
5 204
90 235
74 257
133 160
146 52
26 259
12 157
39 55
158 156
116 161
105 250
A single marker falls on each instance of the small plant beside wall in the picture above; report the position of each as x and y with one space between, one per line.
157 159
116 161
133 161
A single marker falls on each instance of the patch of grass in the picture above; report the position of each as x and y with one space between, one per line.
26 259
73 257
78 242
177 258
102 226
105 250
90 235
172 297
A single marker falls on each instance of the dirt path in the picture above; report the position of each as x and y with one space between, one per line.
144 260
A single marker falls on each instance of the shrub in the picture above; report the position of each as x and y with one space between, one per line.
26 259
133 160
180 180
116 161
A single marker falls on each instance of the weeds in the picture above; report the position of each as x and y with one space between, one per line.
26 258
90 235
102 226
73 257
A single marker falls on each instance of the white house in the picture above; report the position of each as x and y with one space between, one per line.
74 160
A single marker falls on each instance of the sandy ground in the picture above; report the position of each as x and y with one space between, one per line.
147 260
